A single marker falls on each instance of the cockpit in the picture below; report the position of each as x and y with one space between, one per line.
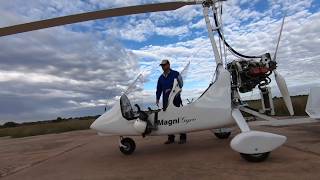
129 114
126 108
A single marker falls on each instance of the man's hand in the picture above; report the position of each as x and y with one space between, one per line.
157 102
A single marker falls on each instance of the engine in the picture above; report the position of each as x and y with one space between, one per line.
247 74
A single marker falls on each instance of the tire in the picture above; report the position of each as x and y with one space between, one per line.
222 135
255 157
128 146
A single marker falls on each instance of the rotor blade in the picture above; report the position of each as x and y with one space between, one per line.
279 38
284 91
93 15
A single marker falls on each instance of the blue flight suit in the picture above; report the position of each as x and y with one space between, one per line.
164 87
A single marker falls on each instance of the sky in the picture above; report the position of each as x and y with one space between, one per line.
77 70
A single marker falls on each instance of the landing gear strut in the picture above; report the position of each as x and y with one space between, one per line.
127 145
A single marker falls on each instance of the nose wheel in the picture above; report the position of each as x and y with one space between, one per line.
127 145
222 133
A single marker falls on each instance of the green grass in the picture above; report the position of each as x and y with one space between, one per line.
45 128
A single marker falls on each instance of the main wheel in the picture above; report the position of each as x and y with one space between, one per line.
127 146
222 135
255 157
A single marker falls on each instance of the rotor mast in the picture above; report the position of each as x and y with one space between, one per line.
206 6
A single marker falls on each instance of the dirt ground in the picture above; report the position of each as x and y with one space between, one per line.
84 155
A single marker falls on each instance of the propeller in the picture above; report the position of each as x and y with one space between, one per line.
280 80
76 18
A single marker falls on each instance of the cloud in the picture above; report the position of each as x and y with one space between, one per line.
41 72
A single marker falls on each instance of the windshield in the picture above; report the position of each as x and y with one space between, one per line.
126 108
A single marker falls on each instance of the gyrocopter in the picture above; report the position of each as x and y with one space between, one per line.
220 105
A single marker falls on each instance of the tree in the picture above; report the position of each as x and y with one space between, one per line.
10 124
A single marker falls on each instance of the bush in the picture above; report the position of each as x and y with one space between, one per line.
10 124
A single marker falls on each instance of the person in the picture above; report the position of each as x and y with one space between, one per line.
164 86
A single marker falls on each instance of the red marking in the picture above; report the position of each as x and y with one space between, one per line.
258 71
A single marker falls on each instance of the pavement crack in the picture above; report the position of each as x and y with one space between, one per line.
302 150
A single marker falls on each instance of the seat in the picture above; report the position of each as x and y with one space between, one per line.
126 108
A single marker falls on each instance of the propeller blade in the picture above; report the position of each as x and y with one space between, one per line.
279 79
123 11
279 38
284 91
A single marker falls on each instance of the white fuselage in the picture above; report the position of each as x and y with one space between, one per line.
212 110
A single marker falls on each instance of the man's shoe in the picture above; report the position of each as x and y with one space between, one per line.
182 141
169 142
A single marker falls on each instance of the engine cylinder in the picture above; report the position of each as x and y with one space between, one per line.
247 74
